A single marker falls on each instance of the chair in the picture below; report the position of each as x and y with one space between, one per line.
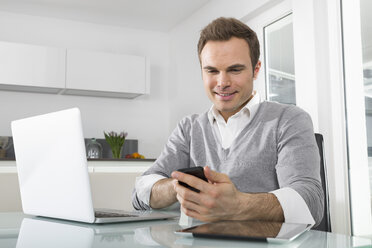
325 224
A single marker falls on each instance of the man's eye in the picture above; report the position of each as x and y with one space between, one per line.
212 71
235 71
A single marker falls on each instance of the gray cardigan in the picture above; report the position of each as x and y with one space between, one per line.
276 149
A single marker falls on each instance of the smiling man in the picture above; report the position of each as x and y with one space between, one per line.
260 158
228 74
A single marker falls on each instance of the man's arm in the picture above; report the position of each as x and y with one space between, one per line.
162 194
220 200
298 163
260 206
148 194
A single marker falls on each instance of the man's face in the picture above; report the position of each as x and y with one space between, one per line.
227 74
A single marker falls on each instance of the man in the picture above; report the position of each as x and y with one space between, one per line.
261 159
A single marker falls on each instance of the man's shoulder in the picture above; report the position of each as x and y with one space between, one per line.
281 110
286 115
194 119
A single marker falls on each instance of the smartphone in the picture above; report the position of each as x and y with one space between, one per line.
195 171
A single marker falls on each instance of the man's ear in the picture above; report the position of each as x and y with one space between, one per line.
256 69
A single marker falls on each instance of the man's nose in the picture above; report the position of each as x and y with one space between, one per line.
223 80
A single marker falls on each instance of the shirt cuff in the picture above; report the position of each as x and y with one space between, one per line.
144 185
294 207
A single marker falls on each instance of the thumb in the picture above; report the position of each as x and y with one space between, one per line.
214 176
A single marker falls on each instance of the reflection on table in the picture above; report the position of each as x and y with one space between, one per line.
18 230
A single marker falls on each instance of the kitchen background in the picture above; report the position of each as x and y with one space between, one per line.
169 42
166 32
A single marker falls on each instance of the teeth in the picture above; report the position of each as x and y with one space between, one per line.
225 94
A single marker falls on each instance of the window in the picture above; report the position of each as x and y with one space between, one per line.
366 31
279 58
357 58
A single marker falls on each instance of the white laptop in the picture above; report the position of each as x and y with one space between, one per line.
53 173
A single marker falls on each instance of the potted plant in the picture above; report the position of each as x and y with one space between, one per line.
116 142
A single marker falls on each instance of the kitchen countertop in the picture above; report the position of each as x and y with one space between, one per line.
96 165
103 159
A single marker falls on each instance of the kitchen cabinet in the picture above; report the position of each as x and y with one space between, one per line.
25 67
111 183
106 74
32 68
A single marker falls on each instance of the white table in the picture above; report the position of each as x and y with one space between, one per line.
19 230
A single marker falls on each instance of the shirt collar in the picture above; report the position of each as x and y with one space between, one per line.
213 113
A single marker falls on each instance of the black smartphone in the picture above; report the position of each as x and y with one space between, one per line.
195 171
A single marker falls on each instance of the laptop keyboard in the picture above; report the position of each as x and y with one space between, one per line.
102 214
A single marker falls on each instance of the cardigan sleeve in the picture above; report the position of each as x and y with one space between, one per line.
175 155
298 165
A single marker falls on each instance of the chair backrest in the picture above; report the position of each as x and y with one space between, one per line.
325 224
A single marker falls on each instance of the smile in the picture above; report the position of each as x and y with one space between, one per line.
225 96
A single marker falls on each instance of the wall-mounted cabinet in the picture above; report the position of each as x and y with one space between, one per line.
76 72
32 68
110 74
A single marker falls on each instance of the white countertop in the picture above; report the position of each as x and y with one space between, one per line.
9 166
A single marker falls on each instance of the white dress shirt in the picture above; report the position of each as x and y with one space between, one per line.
294 207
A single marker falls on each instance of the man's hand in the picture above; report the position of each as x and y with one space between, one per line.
220 200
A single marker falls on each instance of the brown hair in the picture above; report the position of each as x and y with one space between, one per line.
223 29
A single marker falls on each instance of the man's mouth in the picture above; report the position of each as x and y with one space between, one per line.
224 95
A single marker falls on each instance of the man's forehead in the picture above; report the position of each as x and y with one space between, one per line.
223 62
226 53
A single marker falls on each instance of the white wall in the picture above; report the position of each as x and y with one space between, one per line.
137 116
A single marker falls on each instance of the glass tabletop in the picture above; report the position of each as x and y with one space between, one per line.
19 230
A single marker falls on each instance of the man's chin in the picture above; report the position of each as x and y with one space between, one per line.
225 110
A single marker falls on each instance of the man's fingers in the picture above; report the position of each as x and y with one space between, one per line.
191 180
192 206
189 212
215 177
186 193
190 199
196 215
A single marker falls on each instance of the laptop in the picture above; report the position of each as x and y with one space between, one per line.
53 172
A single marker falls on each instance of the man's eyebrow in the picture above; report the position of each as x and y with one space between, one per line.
236 66
208 67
